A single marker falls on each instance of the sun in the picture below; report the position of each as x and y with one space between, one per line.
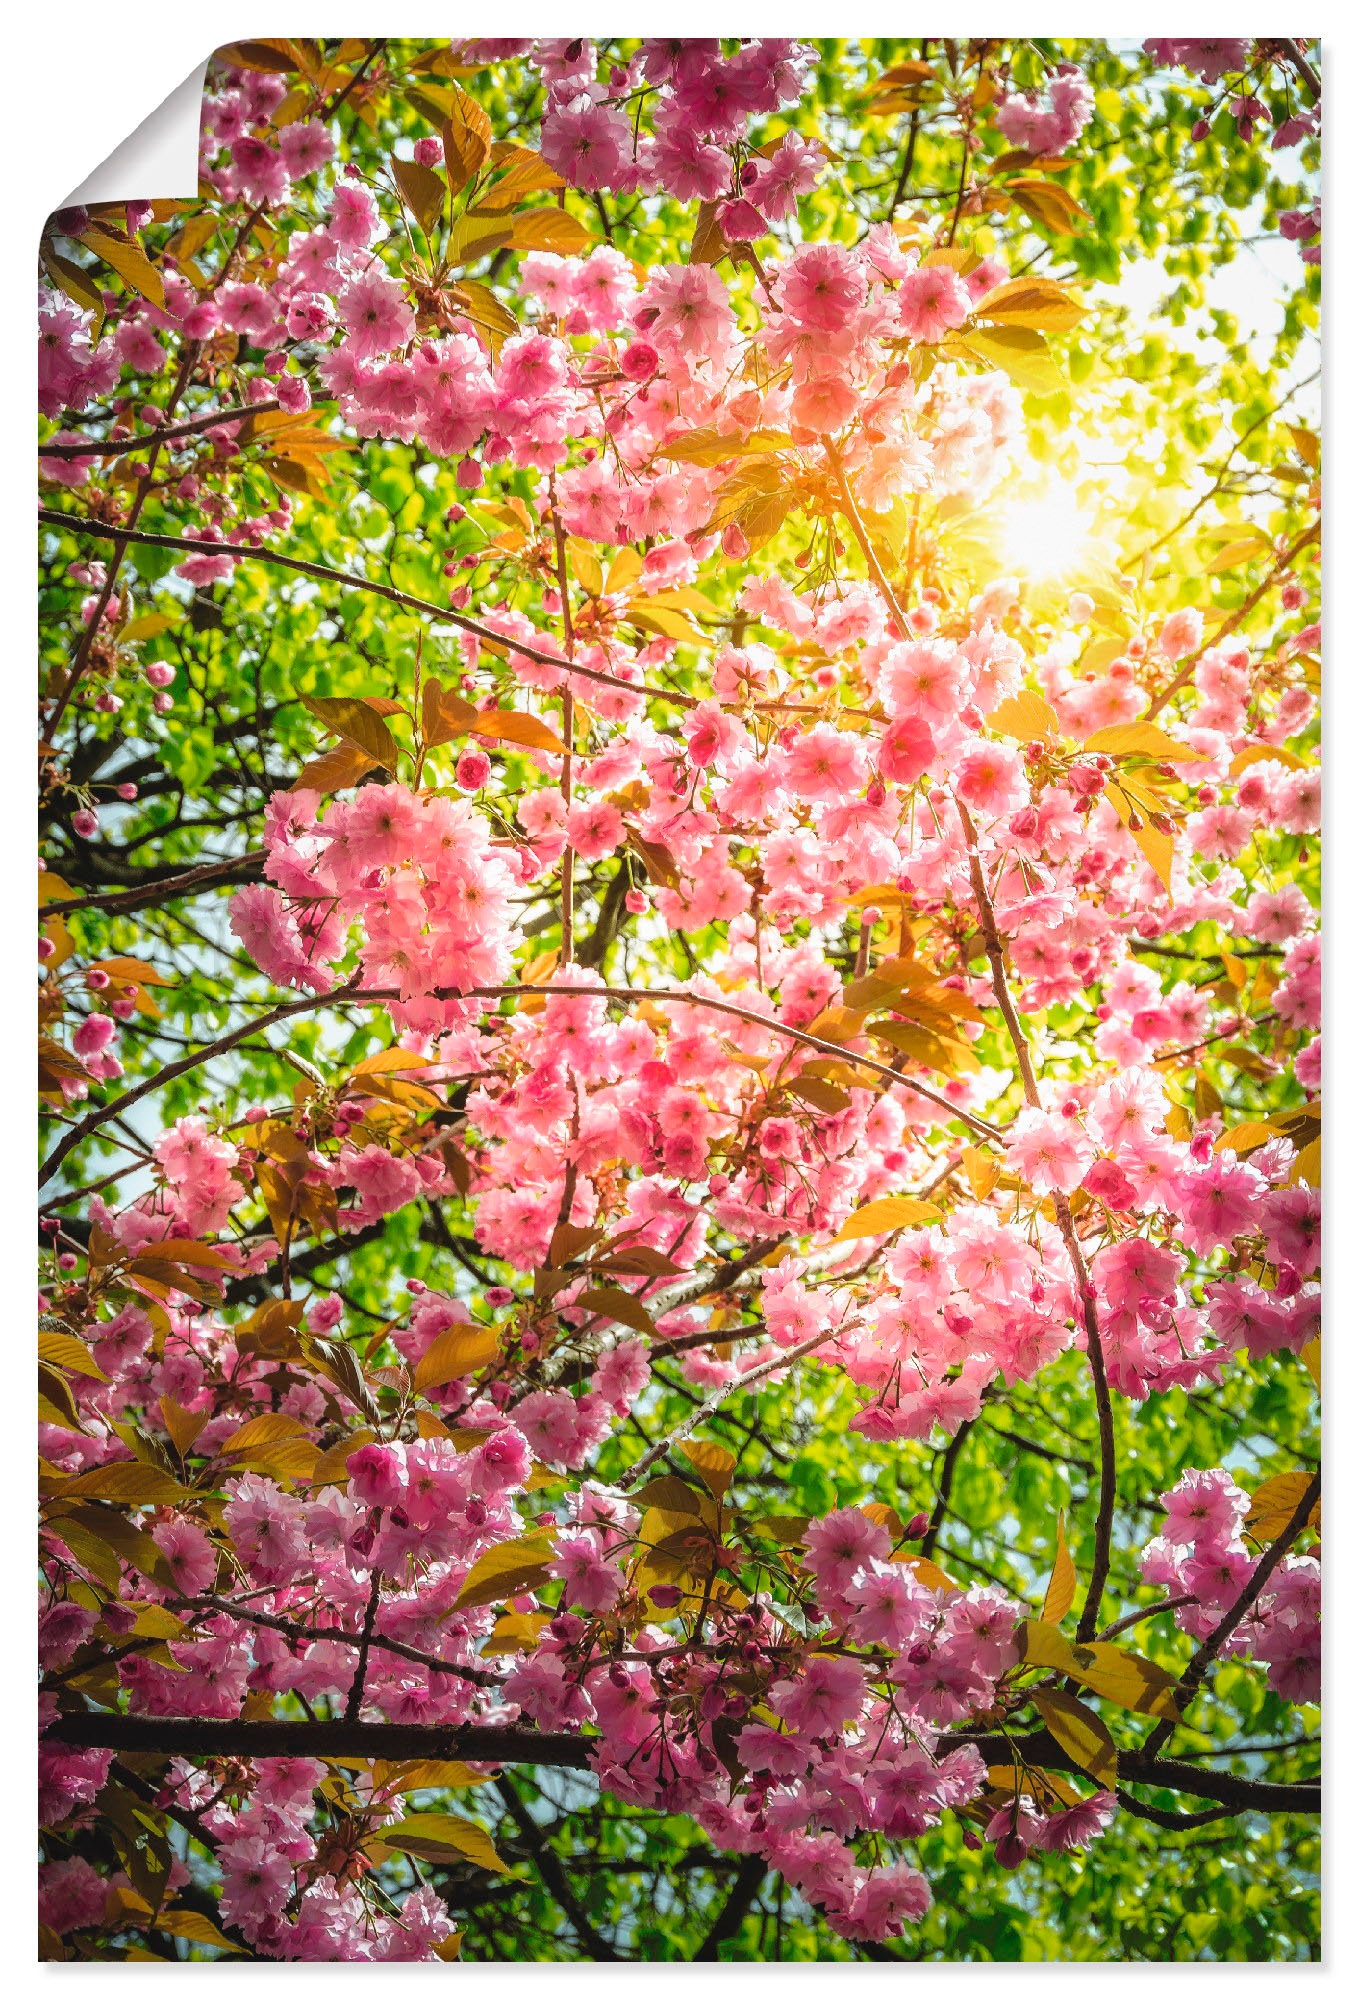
1045 533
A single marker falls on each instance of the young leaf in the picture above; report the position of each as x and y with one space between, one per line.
712 1462
1080 1732
1061 1589
441 1837
354 720
423 191
507 1570
890 1212
458 1351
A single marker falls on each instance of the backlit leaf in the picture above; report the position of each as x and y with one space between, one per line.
439 1837
879 1218
1061 1590
458 1351
1080 1733
507 1570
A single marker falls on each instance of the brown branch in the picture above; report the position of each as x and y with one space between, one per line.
716 1400
1293 50
1137 1767
175 1736
568 947
1108 1481
122 446
727 1923
241 868
861 536
354 996
553 1874
941 1499
311 1633
321 574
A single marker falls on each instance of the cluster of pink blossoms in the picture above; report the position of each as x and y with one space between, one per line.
1200 1554
1053 121
1227 56
861 1712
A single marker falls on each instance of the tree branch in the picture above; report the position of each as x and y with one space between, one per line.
732 1914
354 996
174 1736
120 447
553 1874
321 574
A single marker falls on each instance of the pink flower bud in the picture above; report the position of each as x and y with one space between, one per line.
640 361
473 769
93 1035
85 823
469 474
428 153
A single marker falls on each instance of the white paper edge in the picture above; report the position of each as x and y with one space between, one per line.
159 161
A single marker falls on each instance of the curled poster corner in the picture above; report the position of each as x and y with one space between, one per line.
159 160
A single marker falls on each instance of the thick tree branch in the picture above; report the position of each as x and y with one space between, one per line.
173 1736
728 1921
119 447
476 1743
213 874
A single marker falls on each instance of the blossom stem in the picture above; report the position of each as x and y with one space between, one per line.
855 519
717 1398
